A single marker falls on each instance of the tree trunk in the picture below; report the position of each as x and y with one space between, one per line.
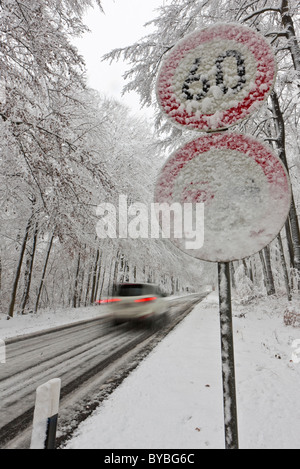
75 294
251 275
246 268
110 287
280 142
87 288
81 287
290 243
98 280
94 277
29 270
233 284
265 273
288 25
284 268
127 275
102 282
116 271
44 273
121 268
18 271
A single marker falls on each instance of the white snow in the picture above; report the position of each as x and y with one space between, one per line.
174 399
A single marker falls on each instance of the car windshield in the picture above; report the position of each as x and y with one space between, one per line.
135 290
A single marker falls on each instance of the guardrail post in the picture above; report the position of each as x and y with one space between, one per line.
46 415
2 352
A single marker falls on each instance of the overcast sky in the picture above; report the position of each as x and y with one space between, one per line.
121 25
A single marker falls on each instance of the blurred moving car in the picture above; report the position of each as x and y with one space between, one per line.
138 302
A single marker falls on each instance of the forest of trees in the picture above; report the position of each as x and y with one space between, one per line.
65 149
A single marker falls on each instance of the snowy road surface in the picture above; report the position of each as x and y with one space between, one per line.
68 354
73 353
173 400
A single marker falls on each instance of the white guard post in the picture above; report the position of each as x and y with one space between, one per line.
46 415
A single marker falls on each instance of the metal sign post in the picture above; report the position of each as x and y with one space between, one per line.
227 347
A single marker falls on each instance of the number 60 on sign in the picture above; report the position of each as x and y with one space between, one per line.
215 77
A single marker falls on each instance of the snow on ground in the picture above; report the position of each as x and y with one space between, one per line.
173 400
46 319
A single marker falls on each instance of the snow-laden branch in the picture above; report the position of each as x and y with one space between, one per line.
260 12
277 33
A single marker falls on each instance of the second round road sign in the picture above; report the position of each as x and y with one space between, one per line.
215 77
242 186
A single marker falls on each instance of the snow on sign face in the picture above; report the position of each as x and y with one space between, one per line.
215 77
243 186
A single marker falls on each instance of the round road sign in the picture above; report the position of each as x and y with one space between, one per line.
215 77
242 186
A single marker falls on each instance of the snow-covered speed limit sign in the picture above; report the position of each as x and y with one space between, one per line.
215 77
242 187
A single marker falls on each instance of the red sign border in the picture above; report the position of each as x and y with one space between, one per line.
266 75
249 146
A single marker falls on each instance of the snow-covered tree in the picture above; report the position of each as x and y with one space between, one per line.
279 22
